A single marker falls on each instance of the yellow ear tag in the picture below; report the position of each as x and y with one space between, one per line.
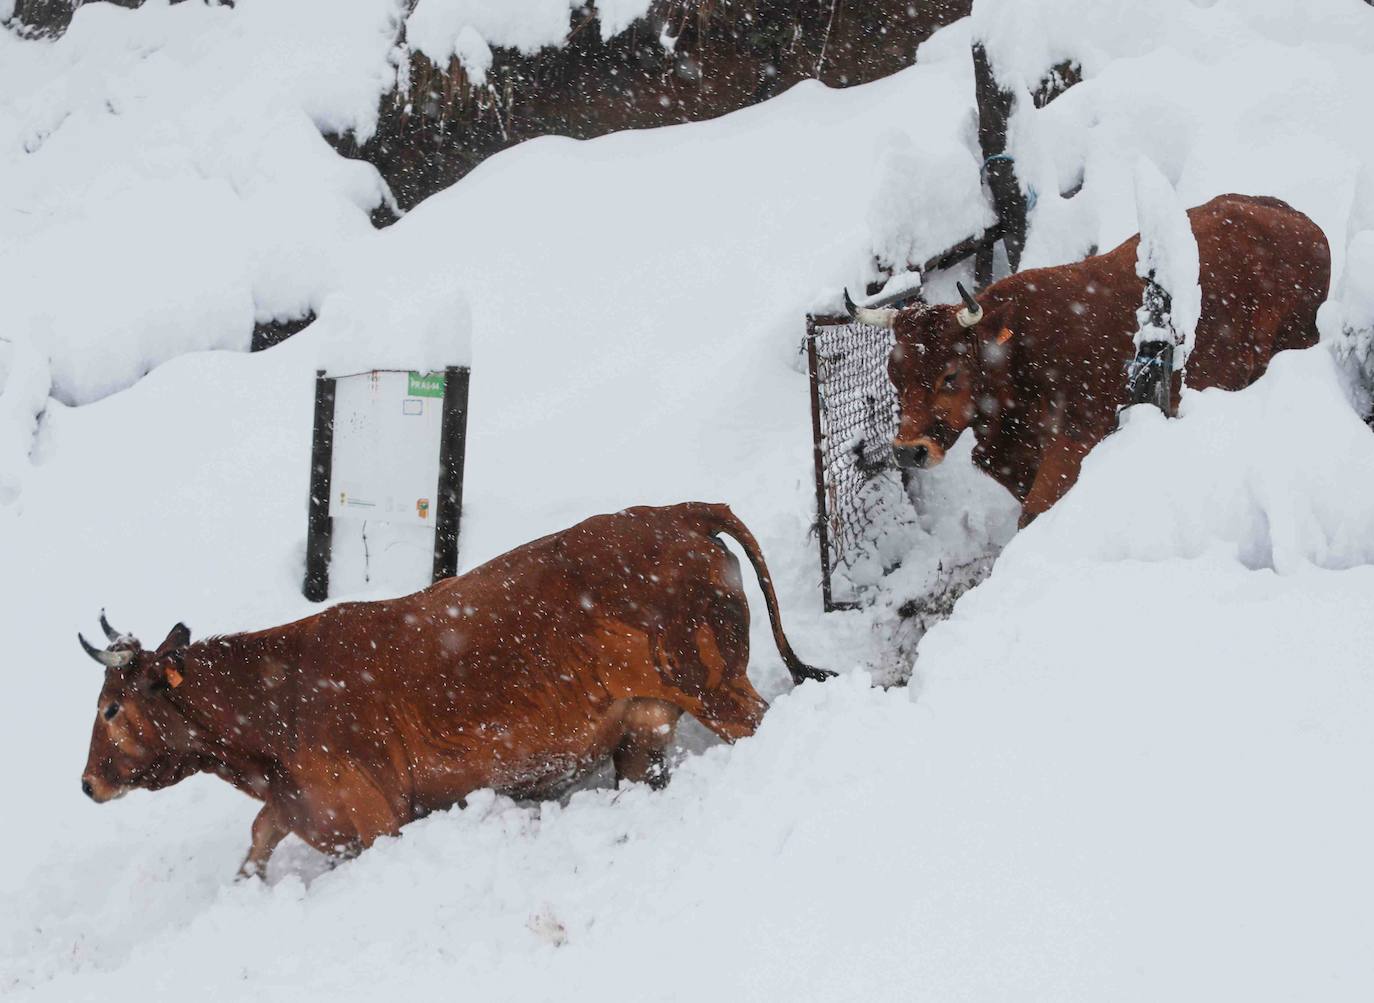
1004 336
173 678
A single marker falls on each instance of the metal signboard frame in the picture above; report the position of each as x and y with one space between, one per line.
448 490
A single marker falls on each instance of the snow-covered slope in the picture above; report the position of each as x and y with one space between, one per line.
1130 765
603 375
165 180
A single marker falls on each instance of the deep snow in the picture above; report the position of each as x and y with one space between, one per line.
1131 764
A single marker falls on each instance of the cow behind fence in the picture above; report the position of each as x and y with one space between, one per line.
859 490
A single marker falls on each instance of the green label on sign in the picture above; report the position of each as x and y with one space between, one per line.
426 385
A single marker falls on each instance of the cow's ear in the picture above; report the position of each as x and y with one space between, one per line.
166 669
178 637
997 336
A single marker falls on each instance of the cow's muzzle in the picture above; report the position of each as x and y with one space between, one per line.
917 455
99 791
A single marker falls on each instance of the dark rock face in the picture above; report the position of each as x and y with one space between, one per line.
686 61
50 17
274 332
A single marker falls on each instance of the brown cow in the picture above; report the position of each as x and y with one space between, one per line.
1036 365
519 675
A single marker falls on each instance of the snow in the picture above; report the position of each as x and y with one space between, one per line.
617 15
1159 770
1358 291
943 543
1225 488
1134 757
415 318
188 197
468 29
1235 96
911 222
527 25
23 397
1168 255
1347 321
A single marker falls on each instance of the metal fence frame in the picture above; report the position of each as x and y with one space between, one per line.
837 489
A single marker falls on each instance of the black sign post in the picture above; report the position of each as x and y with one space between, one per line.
319 529
453 449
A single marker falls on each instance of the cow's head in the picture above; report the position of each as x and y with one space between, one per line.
947 366
140 739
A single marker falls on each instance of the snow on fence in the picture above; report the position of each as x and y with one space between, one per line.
853 420
1167 260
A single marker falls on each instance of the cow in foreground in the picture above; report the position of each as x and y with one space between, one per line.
1036 365
520 676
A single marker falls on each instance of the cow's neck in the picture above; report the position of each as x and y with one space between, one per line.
237 695
1006 450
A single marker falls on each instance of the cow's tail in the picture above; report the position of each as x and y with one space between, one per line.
716 519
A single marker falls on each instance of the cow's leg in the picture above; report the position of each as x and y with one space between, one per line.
733 712
268 831
346 808
730 706
641 756
1298 330
371 814
1058 472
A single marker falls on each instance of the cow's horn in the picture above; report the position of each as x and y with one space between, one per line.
109 659
112 634
867 315
972 313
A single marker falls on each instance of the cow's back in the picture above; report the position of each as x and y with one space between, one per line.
1265 268
517 661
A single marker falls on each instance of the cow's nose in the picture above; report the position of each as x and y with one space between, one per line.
910 456
87 789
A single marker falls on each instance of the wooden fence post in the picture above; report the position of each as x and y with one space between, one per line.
994 114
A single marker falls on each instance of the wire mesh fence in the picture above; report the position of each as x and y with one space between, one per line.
853 421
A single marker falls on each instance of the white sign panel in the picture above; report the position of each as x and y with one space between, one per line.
387 428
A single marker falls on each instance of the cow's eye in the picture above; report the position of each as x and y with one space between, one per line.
112 710
950 381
